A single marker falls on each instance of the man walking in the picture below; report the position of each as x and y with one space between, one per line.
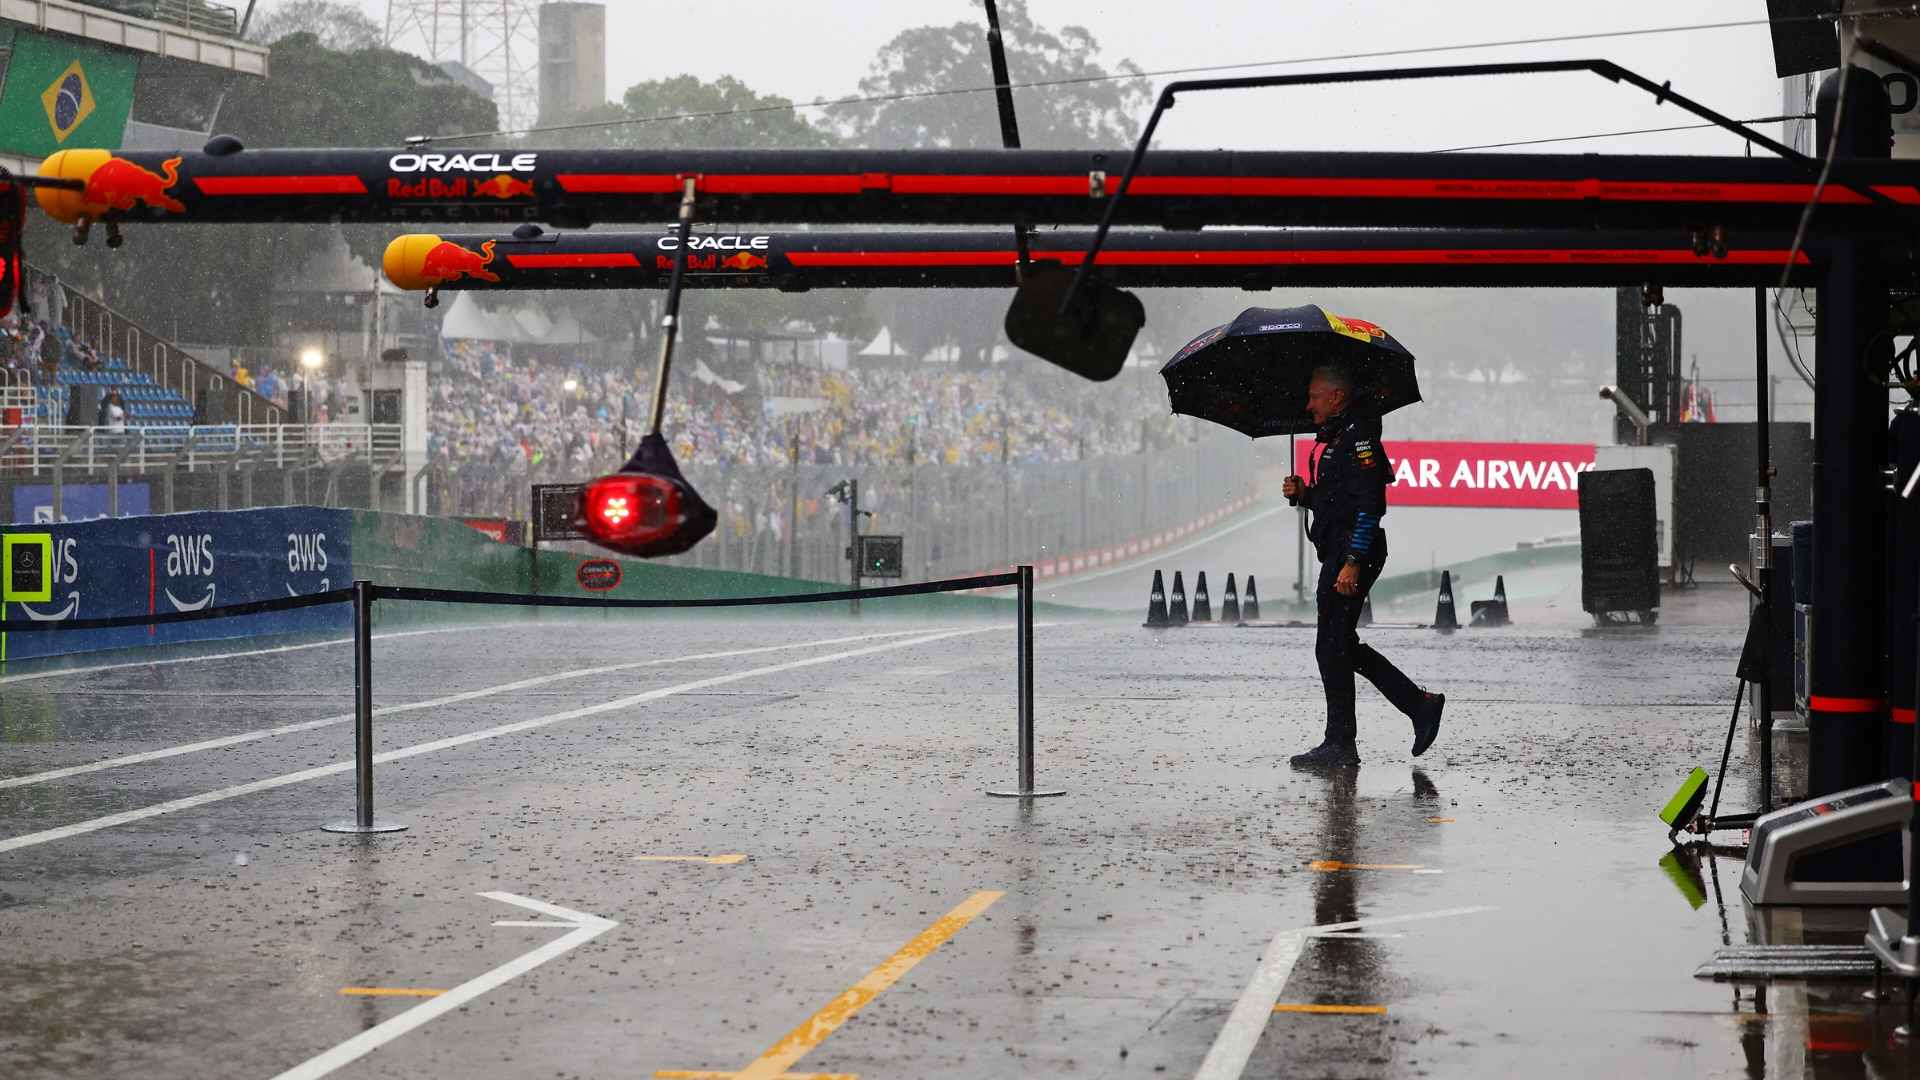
1346 496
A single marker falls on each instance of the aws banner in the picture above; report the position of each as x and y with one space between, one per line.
1541 476
184 562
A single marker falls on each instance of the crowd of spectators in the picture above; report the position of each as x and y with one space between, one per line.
493 416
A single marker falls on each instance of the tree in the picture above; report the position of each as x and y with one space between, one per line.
215 282
1090 108
752 120
340 27
1095 110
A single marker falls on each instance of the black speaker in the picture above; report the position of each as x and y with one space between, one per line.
83 405
297 412
1619 543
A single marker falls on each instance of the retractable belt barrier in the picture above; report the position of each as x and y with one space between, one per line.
363 594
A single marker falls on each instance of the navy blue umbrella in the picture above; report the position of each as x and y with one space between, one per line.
1251 375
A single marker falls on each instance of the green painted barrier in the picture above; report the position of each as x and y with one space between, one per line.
441 553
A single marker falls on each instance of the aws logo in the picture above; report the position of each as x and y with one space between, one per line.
69 101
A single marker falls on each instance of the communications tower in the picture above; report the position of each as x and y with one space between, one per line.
496 40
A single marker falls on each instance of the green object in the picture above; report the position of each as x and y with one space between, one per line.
62 95
1686 878
1686 802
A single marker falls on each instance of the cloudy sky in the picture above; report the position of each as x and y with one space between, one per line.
822 48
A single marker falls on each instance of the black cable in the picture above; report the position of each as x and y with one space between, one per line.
421 140
462 596
1806 218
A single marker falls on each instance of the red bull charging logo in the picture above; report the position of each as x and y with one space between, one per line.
448 261
119 184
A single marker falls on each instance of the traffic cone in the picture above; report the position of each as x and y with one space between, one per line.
1230 604
1366 611
1444 618
1202 604
1157 603
1250 607
1177 609
1492 612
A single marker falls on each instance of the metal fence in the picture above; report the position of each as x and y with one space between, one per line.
170 366
958 519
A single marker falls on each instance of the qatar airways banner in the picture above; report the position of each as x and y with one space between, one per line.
1533 475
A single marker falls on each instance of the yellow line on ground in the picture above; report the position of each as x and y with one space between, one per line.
717 860
709 1074
773 1064
1439 819
390 991
1324 865
1368 1010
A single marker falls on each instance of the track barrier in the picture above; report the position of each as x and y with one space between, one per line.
1177 607
1202 603
1444 619
1230 603
364 594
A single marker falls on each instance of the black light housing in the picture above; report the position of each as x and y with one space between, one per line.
647 509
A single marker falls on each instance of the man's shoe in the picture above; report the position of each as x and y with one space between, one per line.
1426 722
1326 756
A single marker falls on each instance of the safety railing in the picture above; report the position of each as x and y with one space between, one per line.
39 449
363 594
170 366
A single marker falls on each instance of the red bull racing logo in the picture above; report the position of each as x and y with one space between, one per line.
448 261
503 186
119 184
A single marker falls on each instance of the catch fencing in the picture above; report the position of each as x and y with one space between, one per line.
957 519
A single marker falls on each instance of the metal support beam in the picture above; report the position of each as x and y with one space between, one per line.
1848 720
59 471
132 443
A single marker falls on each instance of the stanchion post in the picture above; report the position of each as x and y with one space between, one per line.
1024 788
363 821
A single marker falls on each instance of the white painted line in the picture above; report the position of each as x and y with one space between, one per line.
58 671
581 928
80 828
451 699
1241 1033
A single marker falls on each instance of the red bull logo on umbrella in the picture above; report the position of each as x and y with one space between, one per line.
448 261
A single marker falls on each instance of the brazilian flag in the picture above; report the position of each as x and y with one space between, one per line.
62 95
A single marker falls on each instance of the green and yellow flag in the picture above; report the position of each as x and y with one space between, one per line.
60 95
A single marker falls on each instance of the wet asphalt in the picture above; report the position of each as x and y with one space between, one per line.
1110 932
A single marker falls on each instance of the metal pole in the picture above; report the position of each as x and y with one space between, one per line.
363 720
670 322
1763 552
1024 787
853 539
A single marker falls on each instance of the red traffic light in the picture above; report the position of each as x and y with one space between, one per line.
647 509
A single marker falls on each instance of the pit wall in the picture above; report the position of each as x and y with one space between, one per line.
179 562
442 553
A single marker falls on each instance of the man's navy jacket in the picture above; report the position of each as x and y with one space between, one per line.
1346 493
